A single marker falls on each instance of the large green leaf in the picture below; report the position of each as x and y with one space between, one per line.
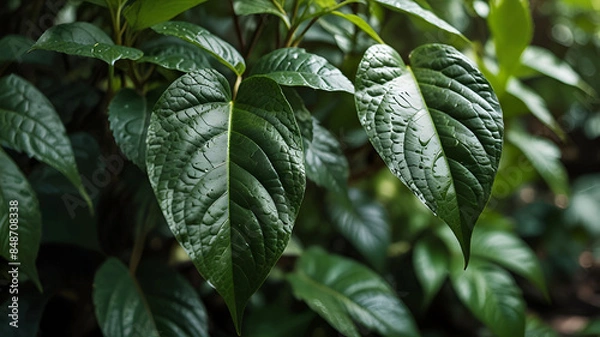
229 177
129 117
545 158
29 123
85 39
438 127
296 67
432 263
175 55
412 8
249 7
341 290
200 37
20 219
145 13
363 222
492 296
161 304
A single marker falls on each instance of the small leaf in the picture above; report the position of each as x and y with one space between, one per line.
249 7
412 8
145 13
341 290
296 67
29 123
20 219
84 39
535 327
360 23
364 223
129 118
431 262
535 104
492 296
438 127
176 55
200 37
545 158
236 168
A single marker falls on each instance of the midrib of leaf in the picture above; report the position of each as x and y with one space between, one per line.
228 189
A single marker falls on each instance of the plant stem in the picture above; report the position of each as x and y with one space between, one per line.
301 36
236 86
238 27
256 35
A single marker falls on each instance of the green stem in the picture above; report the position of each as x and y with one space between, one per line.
297 41
236 86
238 27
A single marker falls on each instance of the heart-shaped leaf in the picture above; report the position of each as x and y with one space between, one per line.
296 67
145 13
341 290
29 123
200 37
229 177
438 127
20 219
85 39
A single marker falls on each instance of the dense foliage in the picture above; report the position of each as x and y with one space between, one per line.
299 167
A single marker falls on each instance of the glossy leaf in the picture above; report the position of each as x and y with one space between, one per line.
28 123
145 13
438 127
85 39
360 23
21 222
363 222
249 7
176 55
129 117
492 296
545 158
512 29
342 291
229 177
296 67
432 263
202 38
412 8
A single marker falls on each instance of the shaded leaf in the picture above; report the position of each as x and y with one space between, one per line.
275 321
85 39
249 7
296 67
20 219
360 23
14 47
341 290
31 308
145 13
432 263
583 209
229 177
200 37
28 123
535 327
438 127
176 55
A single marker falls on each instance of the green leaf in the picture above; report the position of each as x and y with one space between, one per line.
431 262
14 47
510 252
249 7
545 158
512 29
28 123
275 320
438 127
85 39
360 23
544 62
20 219
303 116
236 168
341 290
200 37
176 55
592 329
492 296
535 327
583 209
129 118
364 222
412 8
535 104
145 13
296 67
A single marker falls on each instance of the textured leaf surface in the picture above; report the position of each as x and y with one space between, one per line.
341 290
296 67
200 37
438 127
492 296
229 177
15 187
29 123
432 264
364 223
129 118
248 7
145 13
176 55
84 39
